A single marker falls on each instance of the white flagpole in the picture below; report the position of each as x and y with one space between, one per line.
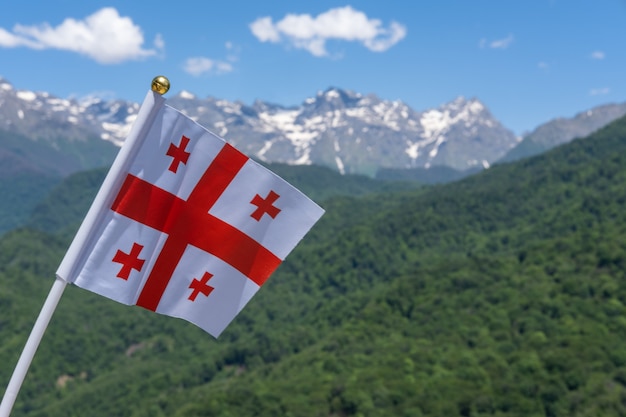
31 347
139 131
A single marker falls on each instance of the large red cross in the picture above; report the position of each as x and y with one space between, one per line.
178 154
265 206
200 286
188 222
129 261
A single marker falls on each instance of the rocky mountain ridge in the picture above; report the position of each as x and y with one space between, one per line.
344 130
562 130
348 131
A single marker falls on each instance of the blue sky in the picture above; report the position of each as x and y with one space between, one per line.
527 61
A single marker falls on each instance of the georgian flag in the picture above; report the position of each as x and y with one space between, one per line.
185 224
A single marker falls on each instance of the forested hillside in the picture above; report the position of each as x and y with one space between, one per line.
20 194
67 203
29 168
502 294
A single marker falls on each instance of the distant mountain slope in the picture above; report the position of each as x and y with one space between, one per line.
59 157
42 116
20 195
30 168
562 130
433 175
502 294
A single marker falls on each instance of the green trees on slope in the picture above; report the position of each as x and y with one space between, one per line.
502 294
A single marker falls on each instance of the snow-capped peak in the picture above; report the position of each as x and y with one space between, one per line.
186 95
330 94
26 95
5 85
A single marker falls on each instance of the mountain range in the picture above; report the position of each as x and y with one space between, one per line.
344 130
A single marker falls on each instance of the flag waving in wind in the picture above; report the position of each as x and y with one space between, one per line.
185 224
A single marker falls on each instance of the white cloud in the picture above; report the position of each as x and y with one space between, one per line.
201 65
599 91
344 23
597 55
197 66
104 36
503 43
394 34
264 30
9 40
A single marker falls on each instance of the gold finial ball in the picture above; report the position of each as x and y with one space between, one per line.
160 84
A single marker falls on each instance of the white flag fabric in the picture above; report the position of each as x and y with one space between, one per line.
185 224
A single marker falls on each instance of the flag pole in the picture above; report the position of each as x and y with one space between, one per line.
160 85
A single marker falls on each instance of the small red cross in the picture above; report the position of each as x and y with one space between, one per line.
200 286
129 261
178 153
265 205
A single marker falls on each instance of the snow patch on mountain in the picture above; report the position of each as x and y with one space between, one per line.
26 95
300 135
186 95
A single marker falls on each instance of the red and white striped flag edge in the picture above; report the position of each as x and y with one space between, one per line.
185 224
